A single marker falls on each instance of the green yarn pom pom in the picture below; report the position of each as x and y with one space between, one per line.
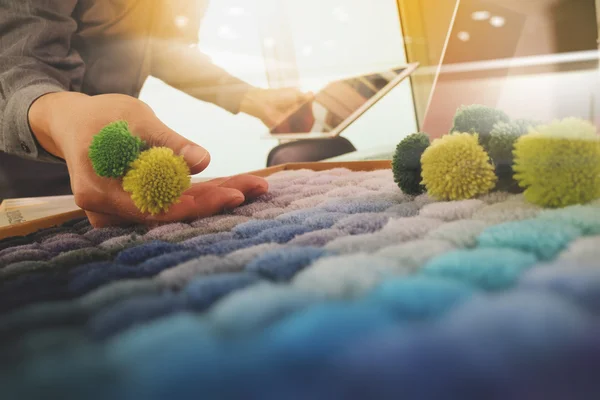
157 179
559 164
478 119
500 148
113 149
406 163
503 138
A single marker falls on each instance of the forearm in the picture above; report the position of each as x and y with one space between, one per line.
189 70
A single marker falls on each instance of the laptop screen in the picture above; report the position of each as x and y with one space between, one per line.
333 105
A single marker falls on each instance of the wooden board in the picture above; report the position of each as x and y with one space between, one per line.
58 219
323 166
28 227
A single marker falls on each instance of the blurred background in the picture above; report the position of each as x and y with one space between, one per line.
535 59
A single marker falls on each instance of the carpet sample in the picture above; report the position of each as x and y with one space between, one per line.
335 284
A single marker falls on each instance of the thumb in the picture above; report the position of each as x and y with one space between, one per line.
196 157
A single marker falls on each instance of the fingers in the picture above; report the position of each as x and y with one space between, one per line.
195 156
107 204
272 117
201 200
158 134
100 220
251 186
208 203
209 198
202 204
290 97
214 182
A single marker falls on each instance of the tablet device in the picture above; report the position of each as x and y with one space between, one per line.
339 104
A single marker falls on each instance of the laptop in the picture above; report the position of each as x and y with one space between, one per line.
339 104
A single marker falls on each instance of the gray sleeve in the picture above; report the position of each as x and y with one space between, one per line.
35 59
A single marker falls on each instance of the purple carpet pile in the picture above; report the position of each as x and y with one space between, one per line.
334 285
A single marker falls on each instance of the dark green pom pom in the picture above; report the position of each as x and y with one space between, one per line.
478 119
113 149
500 148
406 163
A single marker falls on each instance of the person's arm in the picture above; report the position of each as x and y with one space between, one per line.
35 59
177 61
183 66
43 116
187 69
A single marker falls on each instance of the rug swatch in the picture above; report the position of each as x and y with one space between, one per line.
334 284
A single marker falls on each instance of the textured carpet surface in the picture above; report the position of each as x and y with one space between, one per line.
335 284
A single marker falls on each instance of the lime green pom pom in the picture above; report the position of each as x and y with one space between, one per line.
559 164
500 148
478 119
157 179
456 167
406 163
113 149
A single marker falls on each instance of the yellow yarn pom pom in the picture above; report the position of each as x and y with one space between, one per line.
559 163
157 179
456 167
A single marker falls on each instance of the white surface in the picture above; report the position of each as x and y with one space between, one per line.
387 123
346 37
552 96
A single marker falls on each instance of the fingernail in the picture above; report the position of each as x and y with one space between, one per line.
258 191
234 201
194 155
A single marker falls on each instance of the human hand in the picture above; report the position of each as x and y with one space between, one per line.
65 123
272 106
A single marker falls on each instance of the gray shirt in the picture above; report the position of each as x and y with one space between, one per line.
93 47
